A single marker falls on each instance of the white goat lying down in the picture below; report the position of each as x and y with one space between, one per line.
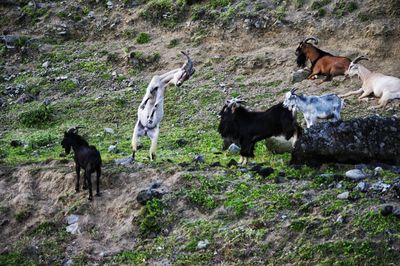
151 109
385 87
314 107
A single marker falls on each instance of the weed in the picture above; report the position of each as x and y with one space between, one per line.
143 38
67 85
90 66
150 219
344 7
36 117
319 4
279 13
135 257
373 223
22 215
173 43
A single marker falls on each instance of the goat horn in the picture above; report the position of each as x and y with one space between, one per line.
359 58
310 38
188 66
293 90
74 129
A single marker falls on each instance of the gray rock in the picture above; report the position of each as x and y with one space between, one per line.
46 64
299 75
380 186
377 171
110 4
72 219
61 78
67 262
109 130
91 14
356 174
73 229
2 102
362 186
25 98
124 161
148 194
344 195
47 101
345 142
113 149
396 212
199 159
233 149
202 244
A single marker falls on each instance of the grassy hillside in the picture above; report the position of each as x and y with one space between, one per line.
88 63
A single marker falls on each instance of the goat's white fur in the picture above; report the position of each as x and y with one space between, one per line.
314 107
151 109
382 86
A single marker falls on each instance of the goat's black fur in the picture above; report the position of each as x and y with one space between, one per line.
86 157
248 127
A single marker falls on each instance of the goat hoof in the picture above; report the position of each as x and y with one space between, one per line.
76 190
98 194
90 198
84 187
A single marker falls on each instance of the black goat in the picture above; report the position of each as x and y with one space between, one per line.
86 157
237 123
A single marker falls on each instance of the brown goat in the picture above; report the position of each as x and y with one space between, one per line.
322 63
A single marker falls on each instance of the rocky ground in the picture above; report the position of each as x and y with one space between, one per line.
67 63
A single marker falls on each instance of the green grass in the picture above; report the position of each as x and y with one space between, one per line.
37 117
143 38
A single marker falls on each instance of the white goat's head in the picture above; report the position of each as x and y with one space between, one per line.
290 99
231 105
353 67
185 72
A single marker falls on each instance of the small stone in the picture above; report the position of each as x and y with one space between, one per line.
109 130
396 212
25 98
340 219
339 185
356 174
72 219
67 262
362 186
113 149
233 149
243 170
202 244
182 142
387 210
46 64
199 159
147 195
380 186
47 101
91 14
344 195
265 171
109 4
232 162
16 143
215 164
377 171
124 161
299 75
73 229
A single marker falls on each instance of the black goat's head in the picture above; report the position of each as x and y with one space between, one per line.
231 105
70 137
301 51
187 70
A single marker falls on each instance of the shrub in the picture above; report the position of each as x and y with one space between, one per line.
36 117
143 38
150 218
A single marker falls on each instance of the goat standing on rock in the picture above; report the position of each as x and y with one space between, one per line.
322 63
151 109
237 123
314 107
86 157
385 87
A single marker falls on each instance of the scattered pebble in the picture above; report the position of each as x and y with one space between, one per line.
362 186
377 171
46 64
344 195
387 210
232 162
356 174
113 149
199 158
124 161
202 244
234 149
109 130
380 186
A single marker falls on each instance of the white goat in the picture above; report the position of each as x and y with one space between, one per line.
151 109
385 87
314 107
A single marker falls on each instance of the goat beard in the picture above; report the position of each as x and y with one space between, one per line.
301 60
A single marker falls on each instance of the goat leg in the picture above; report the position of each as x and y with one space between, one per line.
78 172
98 174
143 105
351 93
89 181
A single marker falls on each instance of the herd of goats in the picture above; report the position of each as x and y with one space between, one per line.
237 124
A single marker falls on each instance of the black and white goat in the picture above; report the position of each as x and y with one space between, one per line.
246 127
151 109
314 107
86 157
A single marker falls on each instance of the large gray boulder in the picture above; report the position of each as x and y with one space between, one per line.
361 140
